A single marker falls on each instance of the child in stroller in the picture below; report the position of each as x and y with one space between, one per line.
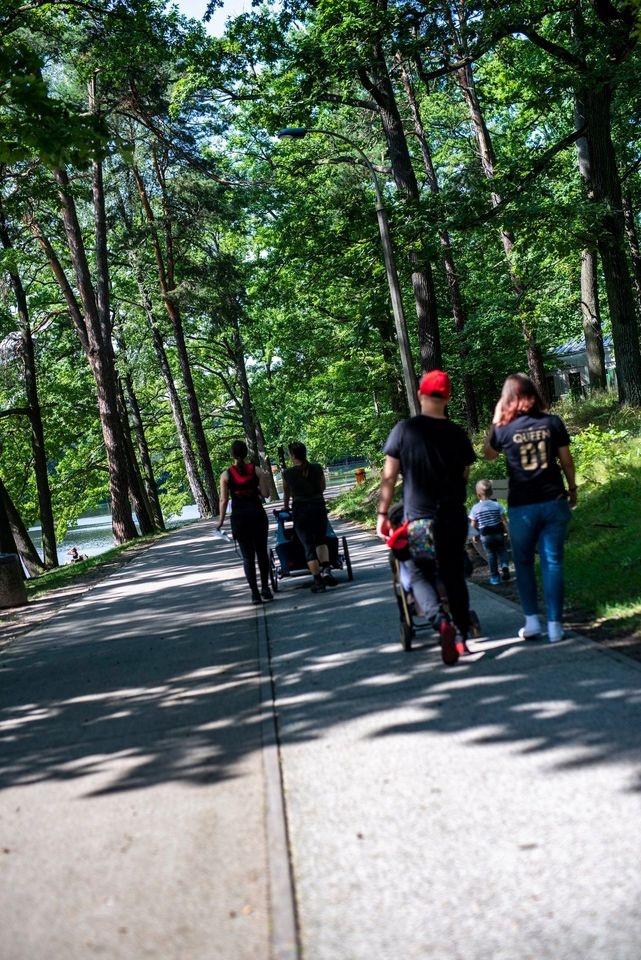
418 591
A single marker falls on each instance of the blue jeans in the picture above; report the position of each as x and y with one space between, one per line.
494 546
542 525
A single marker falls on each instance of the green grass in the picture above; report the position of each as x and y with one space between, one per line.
68 574
603 553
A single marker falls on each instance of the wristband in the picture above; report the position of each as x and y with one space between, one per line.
382 513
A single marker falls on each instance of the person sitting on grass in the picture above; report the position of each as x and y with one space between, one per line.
488 517
75 556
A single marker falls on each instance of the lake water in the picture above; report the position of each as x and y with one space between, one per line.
92 535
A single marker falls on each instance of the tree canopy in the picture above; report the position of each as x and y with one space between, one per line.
175 275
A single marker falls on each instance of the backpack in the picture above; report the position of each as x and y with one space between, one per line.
243 485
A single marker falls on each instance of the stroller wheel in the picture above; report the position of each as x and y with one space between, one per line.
406 633
273 573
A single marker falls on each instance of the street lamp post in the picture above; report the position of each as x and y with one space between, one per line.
409 376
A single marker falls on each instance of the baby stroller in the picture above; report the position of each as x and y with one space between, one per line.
409 611
289 557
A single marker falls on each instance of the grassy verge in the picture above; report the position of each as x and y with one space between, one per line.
603 554
83 570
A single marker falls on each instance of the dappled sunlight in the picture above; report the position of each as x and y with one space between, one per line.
154 677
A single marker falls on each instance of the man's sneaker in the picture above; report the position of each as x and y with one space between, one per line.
266 594
494 581
318 586
447 632
328 579
461 647
505 573
256 598
523 635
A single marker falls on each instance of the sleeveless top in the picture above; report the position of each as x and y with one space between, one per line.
244 487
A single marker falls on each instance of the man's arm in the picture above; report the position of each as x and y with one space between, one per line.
391 470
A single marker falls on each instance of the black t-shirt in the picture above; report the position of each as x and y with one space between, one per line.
433 454
530 443
305 489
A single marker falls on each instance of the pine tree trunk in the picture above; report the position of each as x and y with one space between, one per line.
166 282
465 78
459 313
38 446
612 243
101 360
149 480
137 491
7 540
191 468
635 251
17 539
594 349
379 85
590 309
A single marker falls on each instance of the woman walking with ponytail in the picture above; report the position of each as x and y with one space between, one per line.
537 450
303 485
246 485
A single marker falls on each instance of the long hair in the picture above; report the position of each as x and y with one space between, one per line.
298 450
519 395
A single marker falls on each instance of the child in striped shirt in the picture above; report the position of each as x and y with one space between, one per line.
488 518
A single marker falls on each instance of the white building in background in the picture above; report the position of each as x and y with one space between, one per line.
571 373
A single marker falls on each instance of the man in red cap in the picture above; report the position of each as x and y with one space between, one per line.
434 456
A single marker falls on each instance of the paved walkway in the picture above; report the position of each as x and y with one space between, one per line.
487 811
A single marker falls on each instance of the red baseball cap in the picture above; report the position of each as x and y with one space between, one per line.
436 382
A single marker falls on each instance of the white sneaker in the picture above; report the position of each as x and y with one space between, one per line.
555 631
526 635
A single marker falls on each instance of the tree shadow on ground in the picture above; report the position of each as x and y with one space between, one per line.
153 678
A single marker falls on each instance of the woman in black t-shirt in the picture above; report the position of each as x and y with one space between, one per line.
536 447
303 485
246 485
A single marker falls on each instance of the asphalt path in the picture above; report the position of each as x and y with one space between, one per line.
485 811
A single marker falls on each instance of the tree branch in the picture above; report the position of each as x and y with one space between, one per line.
536 168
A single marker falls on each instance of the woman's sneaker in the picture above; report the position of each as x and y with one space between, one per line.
256 598
266 594
328 579
318 585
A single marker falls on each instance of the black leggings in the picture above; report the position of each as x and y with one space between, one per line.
249 527
310 524
450 536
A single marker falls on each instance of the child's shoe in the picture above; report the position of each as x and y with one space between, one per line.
494 581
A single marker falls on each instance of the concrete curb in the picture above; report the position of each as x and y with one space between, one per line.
285 941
